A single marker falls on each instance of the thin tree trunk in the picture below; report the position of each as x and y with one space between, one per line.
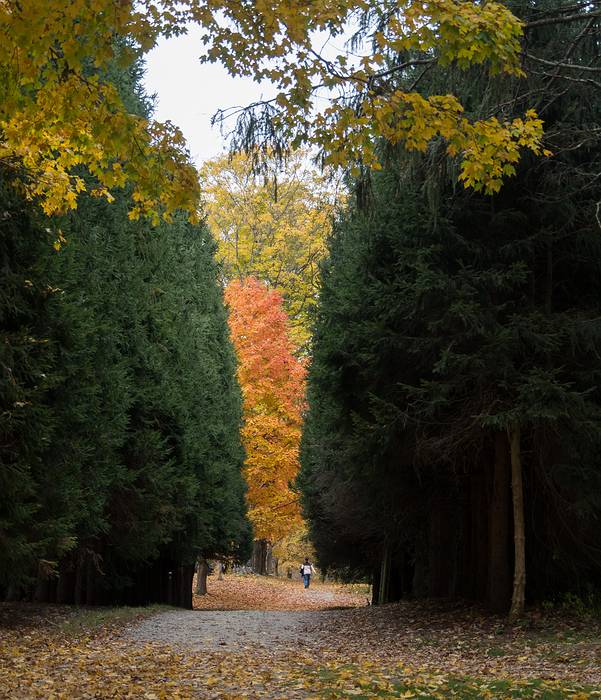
499 571
65 583
440 546
519 574
384 576
201 577
184 592
41 593
80 579
91 574
170 584
187 576
375 586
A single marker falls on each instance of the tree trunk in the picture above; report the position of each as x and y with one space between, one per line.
91 574
187 577
65 585
440 546
170 597
499 571
259 557
420 580
201 576
480 525
268 559
384 576
519 537
43 588
80 579
375 586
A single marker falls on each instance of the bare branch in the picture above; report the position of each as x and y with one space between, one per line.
587 81
561 20
402 66
418 80
559 64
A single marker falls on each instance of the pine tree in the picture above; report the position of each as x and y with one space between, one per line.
30 535
129 465
458 340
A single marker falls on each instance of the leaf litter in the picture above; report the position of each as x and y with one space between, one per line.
403 650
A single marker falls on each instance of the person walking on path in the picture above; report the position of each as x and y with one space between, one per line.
306 571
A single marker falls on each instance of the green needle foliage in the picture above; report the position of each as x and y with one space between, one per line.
447 319
120 449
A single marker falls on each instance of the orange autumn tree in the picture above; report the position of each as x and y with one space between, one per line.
273 384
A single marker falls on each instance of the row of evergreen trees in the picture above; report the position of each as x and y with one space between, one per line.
120 455
453 327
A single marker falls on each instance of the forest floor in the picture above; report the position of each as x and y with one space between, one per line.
265 638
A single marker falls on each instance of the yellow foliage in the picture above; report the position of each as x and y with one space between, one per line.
271 227
57 112
293 548
362 103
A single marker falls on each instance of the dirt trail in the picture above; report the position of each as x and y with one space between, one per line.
274 640
241 612
268 593
269 623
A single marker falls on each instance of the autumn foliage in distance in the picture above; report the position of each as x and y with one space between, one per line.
272 226
273 384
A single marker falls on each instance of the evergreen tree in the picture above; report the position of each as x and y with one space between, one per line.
452 328
27 535
121 450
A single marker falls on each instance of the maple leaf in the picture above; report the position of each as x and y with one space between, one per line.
58 111
424 649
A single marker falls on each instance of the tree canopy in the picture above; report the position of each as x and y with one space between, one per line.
272 382
58 110
272 227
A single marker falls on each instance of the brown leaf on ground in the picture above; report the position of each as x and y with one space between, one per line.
249 592
429 649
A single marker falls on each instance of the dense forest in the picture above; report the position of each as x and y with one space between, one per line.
457 340
120 445
454 406
334 385
451 437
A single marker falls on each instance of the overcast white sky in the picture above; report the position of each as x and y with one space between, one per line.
189 93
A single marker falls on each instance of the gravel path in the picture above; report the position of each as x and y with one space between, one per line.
242 613
228 630
279 653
